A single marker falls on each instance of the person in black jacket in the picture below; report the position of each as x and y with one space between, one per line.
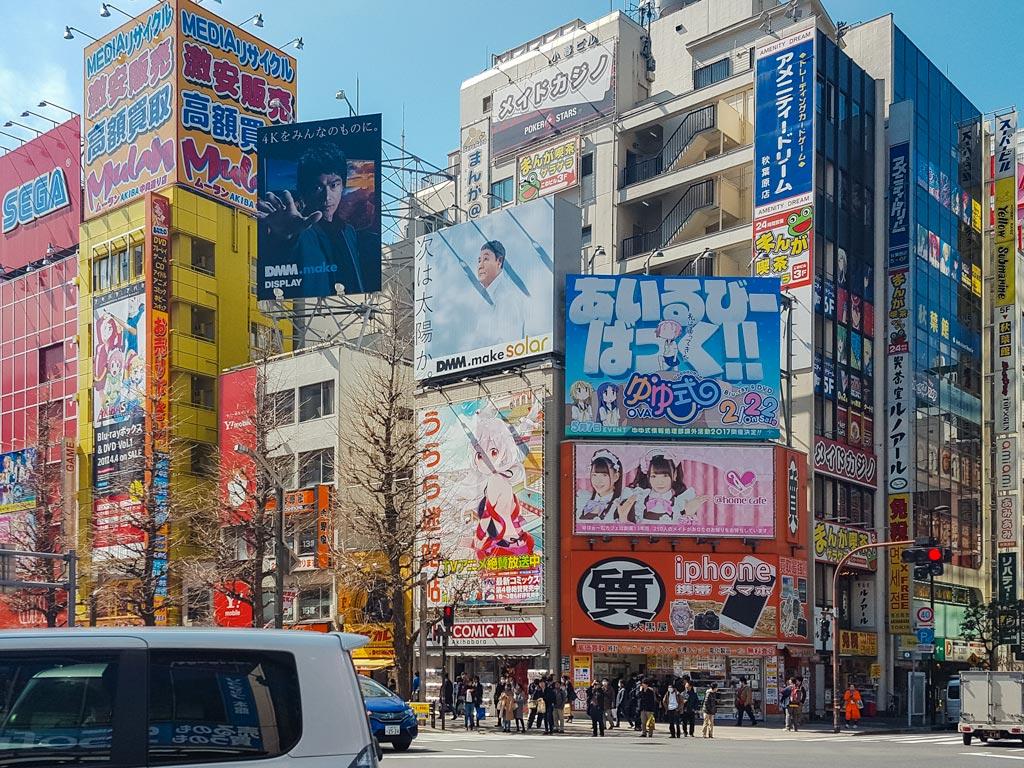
648 707
550 701
595 707
478 701
447 696
691 705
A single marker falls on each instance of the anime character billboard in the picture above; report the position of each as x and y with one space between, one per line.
482 516
17 480
672 356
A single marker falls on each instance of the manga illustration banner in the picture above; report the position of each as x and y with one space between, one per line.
672 356
17 481
546 170
695 597
783 240
485 289
230 84
573 91
482 518
319 209
673 490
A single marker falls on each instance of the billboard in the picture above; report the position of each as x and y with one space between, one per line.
39 196
319 208
685 596
482 515
485 290
653 489
237 392
17 480
128 127
475 169
120 366
546 170
672 356
832 542
572 91
783 241
230 84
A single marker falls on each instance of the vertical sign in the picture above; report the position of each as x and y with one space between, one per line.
899 377
784 156
70 525
1007 517
323 526
1005 257
475 169
158 222
1006 576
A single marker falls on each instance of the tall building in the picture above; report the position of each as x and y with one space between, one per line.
171 113
39 348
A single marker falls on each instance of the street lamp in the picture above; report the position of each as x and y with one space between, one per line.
297 42
279 551
256 19
105 9
340 95
45 103
11 123
69 36
29 112
11 135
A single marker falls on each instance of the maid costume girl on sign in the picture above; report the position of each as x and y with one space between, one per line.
660 495
604 500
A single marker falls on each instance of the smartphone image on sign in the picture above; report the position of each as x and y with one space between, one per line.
743 608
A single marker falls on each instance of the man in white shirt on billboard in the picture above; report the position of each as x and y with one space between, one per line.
509 317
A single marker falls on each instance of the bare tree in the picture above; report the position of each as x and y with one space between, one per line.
981 624
40 528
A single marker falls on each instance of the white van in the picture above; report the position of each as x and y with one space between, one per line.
951 701
129 697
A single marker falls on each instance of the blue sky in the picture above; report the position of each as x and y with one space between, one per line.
410 56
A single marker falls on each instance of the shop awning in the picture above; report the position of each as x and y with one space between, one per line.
497 653
369 665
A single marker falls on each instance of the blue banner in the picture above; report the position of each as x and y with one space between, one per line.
672 356
784 141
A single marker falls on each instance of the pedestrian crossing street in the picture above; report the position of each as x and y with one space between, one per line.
851 737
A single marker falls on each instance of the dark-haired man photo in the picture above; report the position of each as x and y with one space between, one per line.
509 318
311 230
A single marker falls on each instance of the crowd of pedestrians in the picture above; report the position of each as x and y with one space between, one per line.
548 702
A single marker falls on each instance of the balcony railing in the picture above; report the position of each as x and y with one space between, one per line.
696 122
697 196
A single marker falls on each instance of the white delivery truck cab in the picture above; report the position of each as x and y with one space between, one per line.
182 697
991 705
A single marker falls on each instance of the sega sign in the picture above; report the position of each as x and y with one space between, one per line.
34 199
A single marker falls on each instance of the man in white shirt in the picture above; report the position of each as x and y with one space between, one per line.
508 321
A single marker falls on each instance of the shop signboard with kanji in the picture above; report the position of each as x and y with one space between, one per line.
481 539
549 169
657 356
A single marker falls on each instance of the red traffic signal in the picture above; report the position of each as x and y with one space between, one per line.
935 554
448 616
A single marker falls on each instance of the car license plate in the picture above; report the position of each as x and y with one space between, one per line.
392 730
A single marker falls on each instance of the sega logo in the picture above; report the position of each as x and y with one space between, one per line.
34 199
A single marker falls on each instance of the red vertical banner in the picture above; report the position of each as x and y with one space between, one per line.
158 223
323 526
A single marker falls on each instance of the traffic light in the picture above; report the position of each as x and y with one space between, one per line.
448 617
927 560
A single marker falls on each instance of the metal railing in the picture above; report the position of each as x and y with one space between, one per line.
697 121
697 196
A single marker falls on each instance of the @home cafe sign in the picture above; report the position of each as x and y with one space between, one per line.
517 630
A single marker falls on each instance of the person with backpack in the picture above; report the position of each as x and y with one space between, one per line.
531 702
744 703
710 708
794 701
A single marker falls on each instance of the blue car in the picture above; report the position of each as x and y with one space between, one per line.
391 719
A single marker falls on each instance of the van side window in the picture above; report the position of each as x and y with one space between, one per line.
57 705
206 706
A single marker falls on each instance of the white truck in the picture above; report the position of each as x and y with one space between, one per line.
991 705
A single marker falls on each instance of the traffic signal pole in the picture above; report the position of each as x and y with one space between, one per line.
835 619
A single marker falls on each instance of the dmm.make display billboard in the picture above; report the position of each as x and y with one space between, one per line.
684 596
41 205
673 489
577 88
486 290
672 356
482 513
319 208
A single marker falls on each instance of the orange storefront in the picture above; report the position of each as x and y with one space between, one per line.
717 589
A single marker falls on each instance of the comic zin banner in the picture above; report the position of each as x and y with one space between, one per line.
481 521
672 356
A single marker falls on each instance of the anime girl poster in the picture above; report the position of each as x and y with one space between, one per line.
483 465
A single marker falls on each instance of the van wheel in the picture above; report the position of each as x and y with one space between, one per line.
967 739
401 745
983 739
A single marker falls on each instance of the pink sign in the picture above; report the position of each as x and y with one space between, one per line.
674 490
845 462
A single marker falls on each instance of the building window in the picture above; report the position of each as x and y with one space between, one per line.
204 323
202 459
51 363
202 256
282 405
486 104
316 467
587 236
711 73
204 391
587 187
101 274
316 400
501 193
138 254
315 603
285 467
261 338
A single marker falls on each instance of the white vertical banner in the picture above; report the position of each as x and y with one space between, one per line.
1007 465
475 169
